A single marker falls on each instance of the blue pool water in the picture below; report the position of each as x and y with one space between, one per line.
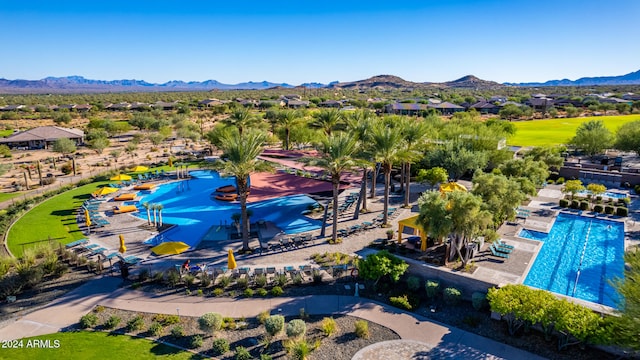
609 194
189 205
560 261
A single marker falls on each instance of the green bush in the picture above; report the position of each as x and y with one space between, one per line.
261 280
262 292
220 347
598 208
263 316
451 295
609 209
135 324
274 324
479 300
156 329
224 281
560 181
317 277
298 349
195 341
413 283
242 353
88 321
264 356
177 331
188 280
622 211
228 323
432 287
112 322
636 189
563 203
210 322
297 279
296 328
401 302
217 292
243 283
362 329
277 291
166 320
574 204
280 280
329 326
248 293
584 205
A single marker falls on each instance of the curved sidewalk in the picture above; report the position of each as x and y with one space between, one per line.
66 312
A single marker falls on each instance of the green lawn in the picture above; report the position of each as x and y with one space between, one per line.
5 133
559 131
9 196
95 345
55 218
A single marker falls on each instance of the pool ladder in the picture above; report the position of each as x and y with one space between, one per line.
584 249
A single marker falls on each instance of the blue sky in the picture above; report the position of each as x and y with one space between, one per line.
319 41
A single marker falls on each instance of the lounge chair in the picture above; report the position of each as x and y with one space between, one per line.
96 251
502 244
144 187
125 209
496 253
76 243
501 249
125 197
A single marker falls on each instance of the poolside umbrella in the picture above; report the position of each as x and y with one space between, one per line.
170 162
122 248
451 186
170 247
87 218
121 177
140 168
104 191
231 261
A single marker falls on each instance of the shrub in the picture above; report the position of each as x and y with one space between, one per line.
329 326
413 283
274 324
401 302
177 331
297 279
608 209
263 316
622 211
173 277
243 283
262 292
242 353
224 281
296 328
265 357
451 295
261 280
98 309
584 205
560 181
229 323
277 291
636 189
195 341
563 203
217 292
210 322
298 349
362 329
205 280
135 324
112 322
598 208
280 280
248 293
88 321
166 320
189 279
143 275
574 204
317 277
220 347
156 329
432 287
479 300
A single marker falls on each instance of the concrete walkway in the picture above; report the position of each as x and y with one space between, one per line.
66 312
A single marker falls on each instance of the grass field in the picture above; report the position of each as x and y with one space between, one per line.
55 218
95 345
5 133
559 131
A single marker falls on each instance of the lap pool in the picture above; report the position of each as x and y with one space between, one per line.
189 204
579 257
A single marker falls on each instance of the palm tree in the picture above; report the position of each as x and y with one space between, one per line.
286 120
147 206
327 120
160 207
337 157
240 154
414 132
388 148
155 219
359 124
242 119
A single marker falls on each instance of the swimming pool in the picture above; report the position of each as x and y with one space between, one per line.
609 194
189 205
579 257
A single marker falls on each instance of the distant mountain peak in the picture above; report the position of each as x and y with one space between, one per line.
632 78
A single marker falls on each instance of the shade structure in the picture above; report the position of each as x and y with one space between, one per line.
139 168
452 186
122 248
231 261
121 177
104 191
87 218
412 222
170 248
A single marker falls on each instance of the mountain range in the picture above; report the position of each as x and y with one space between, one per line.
77 84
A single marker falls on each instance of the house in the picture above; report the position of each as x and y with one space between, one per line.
210 102
297 104
165 105
541 104
42 137
118 107
411 109
13 108
330 104
446 108
484 107
83 107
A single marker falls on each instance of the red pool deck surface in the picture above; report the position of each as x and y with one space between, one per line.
270 185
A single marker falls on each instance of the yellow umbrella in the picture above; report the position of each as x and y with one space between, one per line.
231 261
452 186
87 218
104 191
122 248
121 177
171 247
140 168
170 162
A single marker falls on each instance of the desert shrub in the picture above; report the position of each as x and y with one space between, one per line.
622 211
362 329
609 209
329 326
262 292
479 300
143 275
217 292
248 293
584 205
297 279
598 209
277 291
210 322
574 204
242 353
195 341
263 316
205 280
189 279
177 331
112 322
451 295
220 347
224 281
563 203
135 324
280 280
413 283
560 181
298 349
317 277
296 328
158 277
88 321
243 283
98 309
187 292
264 356
636 189
199 292
173 277
401 302
166 320
156 329
274 324
261 280
432 287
